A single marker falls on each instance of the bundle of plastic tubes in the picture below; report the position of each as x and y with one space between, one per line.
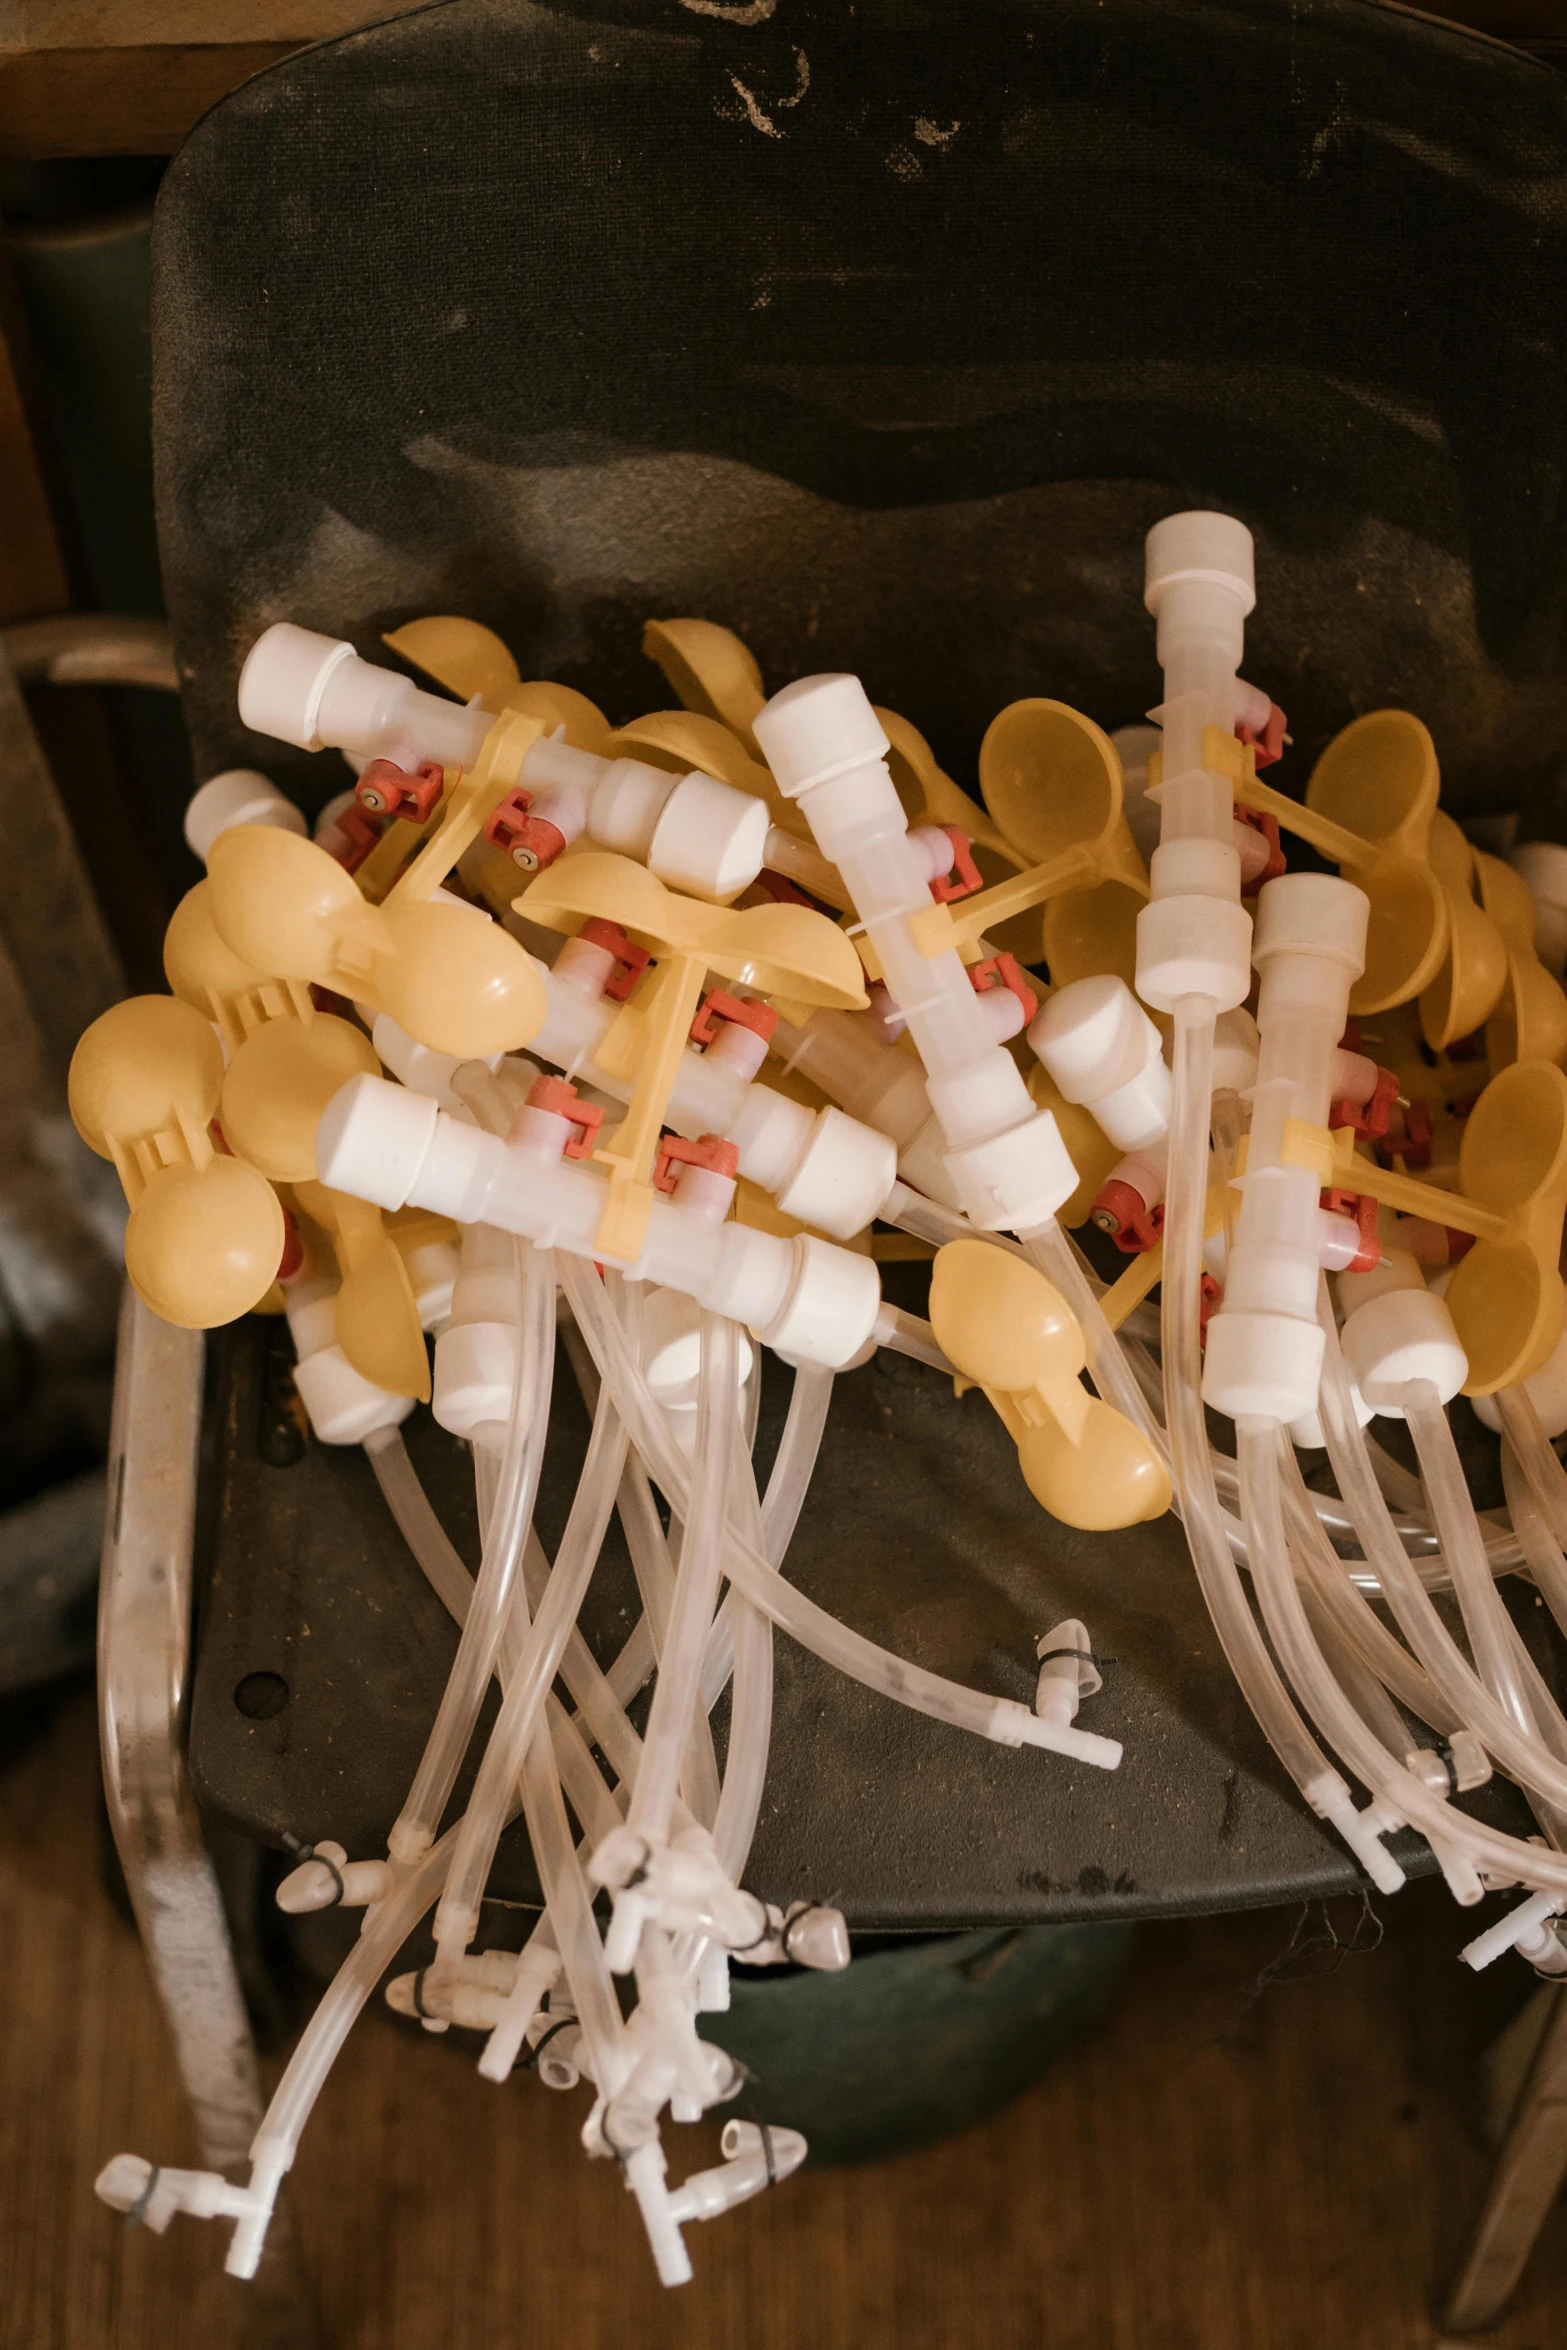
488 1060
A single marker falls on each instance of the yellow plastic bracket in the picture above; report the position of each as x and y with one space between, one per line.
1506 1295
1009 1330
468 809
784 951
377 1317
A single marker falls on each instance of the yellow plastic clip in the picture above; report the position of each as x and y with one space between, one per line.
286 1059
447 975
1010 1330
377 1318
205 1233
1052 781
776 948
1530 1020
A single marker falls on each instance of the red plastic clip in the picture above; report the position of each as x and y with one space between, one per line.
1408 1136
559 1096
781 891
385 789
1209 1299
293 1257
1122 1213
945 889
531 842
761 1019
1363 1208
1270 743
359 831
708 1150
1258 820
1369 1119
1004 971
631 961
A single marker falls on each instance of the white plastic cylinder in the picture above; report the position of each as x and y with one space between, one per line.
1193 936
238 796
1102 1049
1264 1354
826 748
810 1300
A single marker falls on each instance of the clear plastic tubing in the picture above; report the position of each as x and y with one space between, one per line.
847 1651
675 1693
1522 1756
1485 1617
1542 1551
498 1570
532 1671
751 1706
1191 1466
1391 1785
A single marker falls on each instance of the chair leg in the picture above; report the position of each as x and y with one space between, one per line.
1529 2171
144 1633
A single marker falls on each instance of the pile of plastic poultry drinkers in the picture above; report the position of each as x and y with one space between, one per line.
641 1031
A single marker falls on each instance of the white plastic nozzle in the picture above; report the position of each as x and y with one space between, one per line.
238 796
1520 1925
1067 1672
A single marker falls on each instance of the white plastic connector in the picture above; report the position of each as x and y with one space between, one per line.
1102 1049
1193 937
238 796
827 749
1067 1671
812 1301
326 1878
1264 1355
341 1405
1402 1336
1521 1928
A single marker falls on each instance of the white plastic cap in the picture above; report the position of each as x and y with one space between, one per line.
1193 945
842 1180
817 728
710 839
342 1406
831 1307
373 1139
1266 1366
238 796
1314 914
283 680
475 1375
1214 549
1016 1180
1405 1334
1094 1037
1236 1044
1546 1390
672 1347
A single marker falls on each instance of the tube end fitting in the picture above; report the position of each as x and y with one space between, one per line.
1312 914
373 1139
817 728
1262 1366
1212 549
238 796
283 680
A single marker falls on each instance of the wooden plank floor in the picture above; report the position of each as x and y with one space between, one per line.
1279 2169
